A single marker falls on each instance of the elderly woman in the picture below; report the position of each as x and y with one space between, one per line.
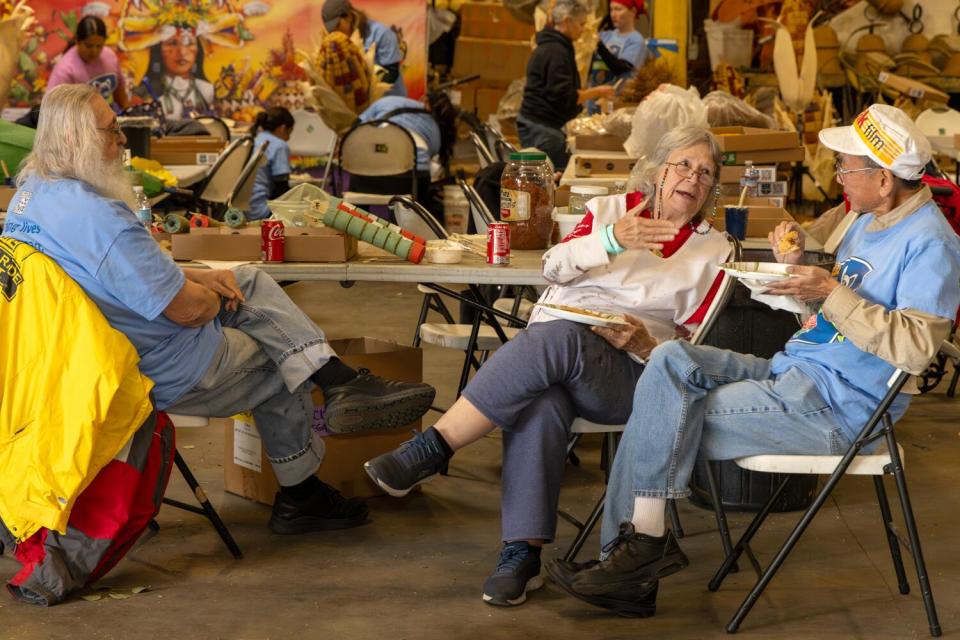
649 255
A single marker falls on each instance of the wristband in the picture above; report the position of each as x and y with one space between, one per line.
610 241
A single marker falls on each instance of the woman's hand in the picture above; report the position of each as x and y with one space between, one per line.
809 284
223 282
633 232
632 338
790 235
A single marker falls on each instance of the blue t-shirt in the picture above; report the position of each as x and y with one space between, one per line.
277 163
102 246
388 52
915 264
421 124
630 47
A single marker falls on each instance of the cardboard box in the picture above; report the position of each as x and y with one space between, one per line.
587 166
6 195
763 201
732 174
913 88
186 149
765 156
488 100
300 245
599 143
499 62
761 220
754 139
778 188
494 21
246 470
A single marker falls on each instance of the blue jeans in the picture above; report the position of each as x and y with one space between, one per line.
551 141
714 404
270 349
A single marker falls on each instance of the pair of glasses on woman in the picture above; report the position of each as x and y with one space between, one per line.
685 171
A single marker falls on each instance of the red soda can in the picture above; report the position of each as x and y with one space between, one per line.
498 243
271 241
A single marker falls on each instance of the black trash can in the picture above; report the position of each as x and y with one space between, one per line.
748 326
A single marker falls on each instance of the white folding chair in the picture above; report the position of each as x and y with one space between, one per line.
218 186
205 509
243 188
311 137
377 149
214 126
888 461
611 433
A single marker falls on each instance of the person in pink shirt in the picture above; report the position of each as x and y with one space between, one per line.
87 60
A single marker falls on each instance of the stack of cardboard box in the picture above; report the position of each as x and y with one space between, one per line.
495 45
768 151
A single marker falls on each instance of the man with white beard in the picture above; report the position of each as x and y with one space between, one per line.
215 342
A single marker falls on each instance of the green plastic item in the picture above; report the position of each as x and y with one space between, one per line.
152 186
16 141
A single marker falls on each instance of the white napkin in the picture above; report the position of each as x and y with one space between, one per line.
787 303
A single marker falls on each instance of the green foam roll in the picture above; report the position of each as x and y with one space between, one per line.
403 247
174 223
369 233
235 218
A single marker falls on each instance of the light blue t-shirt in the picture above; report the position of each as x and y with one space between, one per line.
915 264
630 47
388 52
421 124
102 246
277 163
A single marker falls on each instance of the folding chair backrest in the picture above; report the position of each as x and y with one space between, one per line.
243 188
478 209
413 217
311 136
215 127
226 170
378 148
484 155
720 298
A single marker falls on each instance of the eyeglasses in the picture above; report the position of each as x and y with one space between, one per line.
683 169
841 172
114 128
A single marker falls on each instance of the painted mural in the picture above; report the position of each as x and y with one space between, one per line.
225 57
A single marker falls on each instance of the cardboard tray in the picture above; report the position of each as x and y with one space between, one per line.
186 149
492 21
763 156
300 245
754 139
598 143
587 166
499 62
761 220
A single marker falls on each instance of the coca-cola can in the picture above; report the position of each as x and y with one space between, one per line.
271 241
498 243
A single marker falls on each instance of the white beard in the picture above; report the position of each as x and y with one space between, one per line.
110 180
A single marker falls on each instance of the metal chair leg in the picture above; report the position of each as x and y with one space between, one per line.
586 529
674 519
927 593
891 535
205 509
718 512
424 309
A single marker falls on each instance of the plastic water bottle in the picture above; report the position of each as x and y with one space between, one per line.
750 179
144 213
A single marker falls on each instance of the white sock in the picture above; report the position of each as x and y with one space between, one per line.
649 515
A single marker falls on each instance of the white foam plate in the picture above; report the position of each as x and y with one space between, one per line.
583 316
757 271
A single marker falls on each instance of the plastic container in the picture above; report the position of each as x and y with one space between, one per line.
580 195
566 222
526 199
456 209
144 212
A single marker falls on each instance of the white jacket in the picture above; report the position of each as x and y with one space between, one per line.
663 292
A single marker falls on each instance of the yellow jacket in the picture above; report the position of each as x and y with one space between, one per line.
71 395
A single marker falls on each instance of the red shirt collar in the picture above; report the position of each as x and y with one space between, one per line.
669 248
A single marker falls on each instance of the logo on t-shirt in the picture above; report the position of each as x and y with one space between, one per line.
817 329
10 275
105 85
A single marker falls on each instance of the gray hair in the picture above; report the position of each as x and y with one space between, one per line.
906 185
559 10
68 144
644 173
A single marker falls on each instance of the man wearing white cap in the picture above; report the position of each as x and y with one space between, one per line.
888 303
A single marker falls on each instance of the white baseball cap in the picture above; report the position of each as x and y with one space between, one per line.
887 136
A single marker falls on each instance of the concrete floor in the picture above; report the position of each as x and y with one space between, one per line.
416 569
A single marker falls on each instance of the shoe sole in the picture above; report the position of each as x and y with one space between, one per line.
624 608
309 524
533 584
654 571
391 491
388 412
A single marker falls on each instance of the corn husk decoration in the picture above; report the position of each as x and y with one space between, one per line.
15 22
795 87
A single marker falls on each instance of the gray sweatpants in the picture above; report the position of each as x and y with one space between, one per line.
269 351
533 388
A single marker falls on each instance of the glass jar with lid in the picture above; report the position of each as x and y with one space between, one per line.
580 195
526 199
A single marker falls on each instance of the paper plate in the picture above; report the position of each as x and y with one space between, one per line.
583 316
757 271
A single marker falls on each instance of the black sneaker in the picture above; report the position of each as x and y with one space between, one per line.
517 572
634 560
323 511
639 601
414 462
371 402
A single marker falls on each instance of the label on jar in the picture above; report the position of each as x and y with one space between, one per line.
514 205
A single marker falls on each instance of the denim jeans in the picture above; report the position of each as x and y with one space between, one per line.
714 404
269 351
551 141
